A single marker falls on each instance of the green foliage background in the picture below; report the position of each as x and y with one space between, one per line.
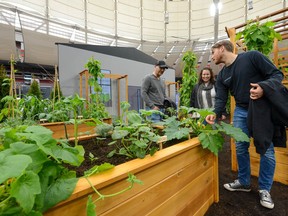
190 77
4 85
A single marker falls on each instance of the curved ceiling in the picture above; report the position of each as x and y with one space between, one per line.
164 29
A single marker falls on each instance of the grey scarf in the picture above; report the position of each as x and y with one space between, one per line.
207 89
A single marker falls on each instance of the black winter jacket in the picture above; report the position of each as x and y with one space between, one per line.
268 116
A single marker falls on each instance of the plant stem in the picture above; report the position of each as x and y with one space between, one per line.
102 196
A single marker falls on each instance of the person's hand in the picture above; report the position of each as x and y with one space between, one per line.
156 108
256 91
210 119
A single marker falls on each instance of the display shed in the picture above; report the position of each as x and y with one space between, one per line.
279 56
114 60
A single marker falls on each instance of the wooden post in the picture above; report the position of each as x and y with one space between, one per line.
275 52
118 94
86 85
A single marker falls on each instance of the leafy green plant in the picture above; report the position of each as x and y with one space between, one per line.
96 107
33 178
133 137
4 85
35 89
31 106
210 136
190 77
61 111
9 109
77 105
259 37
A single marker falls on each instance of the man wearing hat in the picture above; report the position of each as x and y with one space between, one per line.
153 90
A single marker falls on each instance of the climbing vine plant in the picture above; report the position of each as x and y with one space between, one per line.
190 77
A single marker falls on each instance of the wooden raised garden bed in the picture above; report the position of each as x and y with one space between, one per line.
178 180
84 131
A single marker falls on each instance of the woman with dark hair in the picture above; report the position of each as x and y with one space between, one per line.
204 92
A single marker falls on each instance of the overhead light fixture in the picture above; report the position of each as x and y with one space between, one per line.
250 4
214 7
166 17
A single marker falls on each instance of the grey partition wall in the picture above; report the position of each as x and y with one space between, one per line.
117 60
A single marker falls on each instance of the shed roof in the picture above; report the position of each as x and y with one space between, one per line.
122 52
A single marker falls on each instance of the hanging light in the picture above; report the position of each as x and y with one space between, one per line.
166 17
214 7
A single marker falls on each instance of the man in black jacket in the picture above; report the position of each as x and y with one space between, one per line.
243 75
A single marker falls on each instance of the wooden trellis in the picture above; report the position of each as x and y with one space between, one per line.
85 74
280 53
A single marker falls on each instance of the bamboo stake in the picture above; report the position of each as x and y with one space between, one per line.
12 80
56 86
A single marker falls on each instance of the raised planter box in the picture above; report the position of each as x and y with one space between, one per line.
178 180
281 154
84 131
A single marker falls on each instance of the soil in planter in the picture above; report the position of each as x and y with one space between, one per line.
96 151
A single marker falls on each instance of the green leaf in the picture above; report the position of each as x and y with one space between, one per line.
23 148
212 141
134 118
98 169
133 179
110 154
140 143
60 189
69 155
90 207
153 150
38 130
12 165
140 153
56 182
236 133
24 190
174 131
119 134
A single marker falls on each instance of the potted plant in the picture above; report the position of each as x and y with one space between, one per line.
259 37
